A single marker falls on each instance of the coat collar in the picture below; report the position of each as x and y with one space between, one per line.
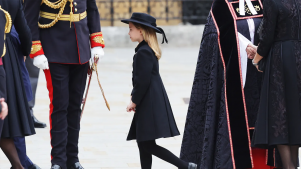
140 45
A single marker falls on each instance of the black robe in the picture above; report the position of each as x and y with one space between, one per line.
222 113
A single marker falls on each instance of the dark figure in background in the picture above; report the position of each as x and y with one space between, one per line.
19 121
20 141
279 119
34 77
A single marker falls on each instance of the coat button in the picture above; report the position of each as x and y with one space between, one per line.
75 9
75 3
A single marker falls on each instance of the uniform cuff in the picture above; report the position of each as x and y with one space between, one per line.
96 40
36 49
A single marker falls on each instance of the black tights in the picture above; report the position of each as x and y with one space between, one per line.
149 148
9 149
289 156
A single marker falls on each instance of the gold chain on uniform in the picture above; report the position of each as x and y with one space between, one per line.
56 5
7 29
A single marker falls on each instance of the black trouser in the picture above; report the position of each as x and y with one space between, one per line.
2 91
66 84
149 148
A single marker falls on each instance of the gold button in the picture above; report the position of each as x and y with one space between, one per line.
75 9
75 3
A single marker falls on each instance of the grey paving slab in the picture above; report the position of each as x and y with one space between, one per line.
102 143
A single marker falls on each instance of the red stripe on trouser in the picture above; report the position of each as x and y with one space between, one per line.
50 89
259 158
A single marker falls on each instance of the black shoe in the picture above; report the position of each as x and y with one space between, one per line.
192 166
37 123
76 166
55 166
34 166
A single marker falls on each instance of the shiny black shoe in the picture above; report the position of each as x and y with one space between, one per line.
55 166
37 123
192 166
34 166
76 166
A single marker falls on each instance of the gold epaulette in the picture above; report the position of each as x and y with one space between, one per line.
60 4
8 26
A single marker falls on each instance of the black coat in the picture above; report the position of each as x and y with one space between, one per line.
279 120
15 9
2 28
2 73
153 118
18 122
62 44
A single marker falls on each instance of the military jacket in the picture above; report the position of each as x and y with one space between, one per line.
64 42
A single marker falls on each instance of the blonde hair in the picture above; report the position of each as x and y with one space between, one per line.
150 36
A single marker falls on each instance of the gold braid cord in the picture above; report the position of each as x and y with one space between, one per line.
60 4
7 29
94 68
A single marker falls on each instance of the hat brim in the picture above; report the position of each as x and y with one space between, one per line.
127 21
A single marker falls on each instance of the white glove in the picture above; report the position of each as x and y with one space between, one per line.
96 50
41 62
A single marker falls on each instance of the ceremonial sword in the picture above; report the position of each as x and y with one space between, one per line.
90 73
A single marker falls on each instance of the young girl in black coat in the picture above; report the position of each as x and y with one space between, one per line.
153 117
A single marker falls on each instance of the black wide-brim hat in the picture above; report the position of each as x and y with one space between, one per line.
146 20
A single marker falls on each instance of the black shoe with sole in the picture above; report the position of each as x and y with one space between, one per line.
37 123
76 166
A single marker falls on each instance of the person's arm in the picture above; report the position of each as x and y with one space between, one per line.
270 14
23 31
96 37
143 73
32 13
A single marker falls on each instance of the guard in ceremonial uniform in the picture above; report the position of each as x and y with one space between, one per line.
66 35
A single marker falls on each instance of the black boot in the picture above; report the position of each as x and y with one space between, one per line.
37 123
76 166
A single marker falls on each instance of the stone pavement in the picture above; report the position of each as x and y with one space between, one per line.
102 143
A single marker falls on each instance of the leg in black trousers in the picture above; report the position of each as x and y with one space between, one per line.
78 75
66 84
58 86
149 148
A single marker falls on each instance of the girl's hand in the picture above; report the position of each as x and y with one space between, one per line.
131 107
